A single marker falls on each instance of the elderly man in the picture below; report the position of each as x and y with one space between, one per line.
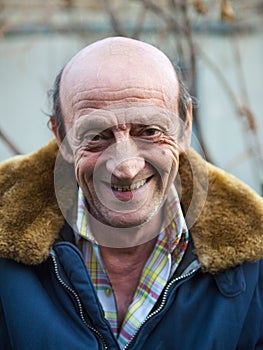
126 238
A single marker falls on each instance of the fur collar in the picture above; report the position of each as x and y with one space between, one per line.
224 215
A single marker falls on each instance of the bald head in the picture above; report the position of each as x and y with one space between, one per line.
117 60
118 71
115 71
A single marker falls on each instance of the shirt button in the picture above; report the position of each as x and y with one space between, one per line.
108 292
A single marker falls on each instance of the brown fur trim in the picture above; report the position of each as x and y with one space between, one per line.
225 218
229 230
29 216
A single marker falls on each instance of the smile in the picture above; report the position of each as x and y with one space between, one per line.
129 188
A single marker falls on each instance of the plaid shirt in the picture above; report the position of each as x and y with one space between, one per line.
166 256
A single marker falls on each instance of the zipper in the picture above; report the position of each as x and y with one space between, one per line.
75 295
165 295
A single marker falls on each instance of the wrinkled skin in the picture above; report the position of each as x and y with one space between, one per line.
119 101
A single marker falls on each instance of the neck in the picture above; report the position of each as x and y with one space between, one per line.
126 261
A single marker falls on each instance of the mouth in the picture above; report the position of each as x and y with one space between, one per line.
133 191
129 188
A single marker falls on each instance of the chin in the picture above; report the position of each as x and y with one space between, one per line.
129 219
134 219
122 222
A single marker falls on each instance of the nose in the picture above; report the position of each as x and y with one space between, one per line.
124 161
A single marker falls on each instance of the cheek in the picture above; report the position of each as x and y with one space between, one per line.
165 162
171 167
169 156
84 167
170 149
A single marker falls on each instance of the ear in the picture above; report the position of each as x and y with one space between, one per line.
63 145
186 139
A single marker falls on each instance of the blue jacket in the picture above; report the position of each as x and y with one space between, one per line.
47 300
54 306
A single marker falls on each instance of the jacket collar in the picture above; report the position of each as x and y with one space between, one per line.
224 215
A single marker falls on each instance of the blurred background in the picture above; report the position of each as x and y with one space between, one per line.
218 45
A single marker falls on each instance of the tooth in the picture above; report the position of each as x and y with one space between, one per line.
132 187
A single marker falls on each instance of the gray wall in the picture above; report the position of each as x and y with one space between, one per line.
230 144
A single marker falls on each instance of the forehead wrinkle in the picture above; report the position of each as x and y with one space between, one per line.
98 97
103 93
102 119
84 106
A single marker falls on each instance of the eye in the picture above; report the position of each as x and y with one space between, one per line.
96 141
151 133
94 138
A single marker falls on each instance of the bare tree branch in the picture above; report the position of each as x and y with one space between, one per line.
116 24
139 26
168 18
9 144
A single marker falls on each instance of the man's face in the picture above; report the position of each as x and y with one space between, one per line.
120 104
125 161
